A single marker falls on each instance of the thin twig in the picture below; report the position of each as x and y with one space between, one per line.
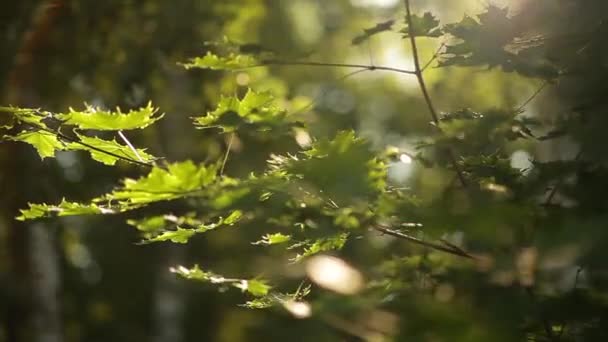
227 153
338 65
423 88
124 138
434 57
454 251
532 97
560 182
317 98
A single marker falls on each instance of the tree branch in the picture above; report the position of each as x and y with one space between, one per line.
454 251
70 139
424 90
338 65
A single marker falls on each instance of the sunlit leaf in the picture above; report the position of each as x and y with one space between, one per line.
214 62
46 143
64 208
98 119
107 151
256 111
273 239
335 242
26 115
255 287
177 180
179 235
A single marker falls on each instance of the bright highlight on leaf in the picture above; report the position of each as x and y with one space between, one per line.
255 287
178 229
273 239
64 208
45 143
178 180
111 146
26 115
98 119
256 110
214 62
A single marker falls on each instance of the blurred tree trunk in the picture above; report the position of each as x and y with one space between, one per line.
33 270
170 296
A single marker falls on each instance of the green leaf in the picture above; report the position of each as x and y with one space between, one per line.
64 208
110 146
345 158
233 218
45 143
493 39
273 239
256 111
95 118
179 235
149 224
214 62
378 28
255 287
178 180
423 26
335 242
26 115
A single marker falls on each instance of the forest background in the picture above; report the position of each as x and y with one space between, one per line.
513 179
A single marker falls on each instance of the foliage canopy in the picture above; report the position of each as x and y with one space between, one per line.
490 235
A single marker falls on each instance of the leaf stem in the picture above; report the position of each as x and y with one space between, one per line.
227 153
124 138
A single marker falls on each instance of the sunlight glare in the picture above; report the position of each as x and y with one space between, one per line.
298 309
405 159
334 274
374 3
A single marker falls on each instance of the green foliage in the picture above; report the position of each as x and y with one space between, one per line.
214 62
423 26
177 180
273 239
255 287
471 228
64 208
488 41
95 118
45 143
255 112
99 148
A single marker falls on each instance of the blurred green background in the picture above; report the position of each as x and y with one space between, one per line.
86 279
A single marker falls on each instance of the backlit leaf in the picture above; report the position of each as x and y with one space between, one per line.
111 149
45 143
64 208
214 62
98 119
423 26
